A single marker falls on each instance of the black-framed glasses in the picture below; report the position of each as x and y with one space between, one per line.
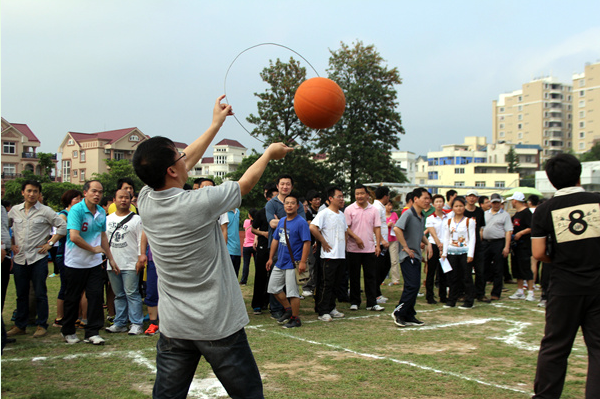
181 156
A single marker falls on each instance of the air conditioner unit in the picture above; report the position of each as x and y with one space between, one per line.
107 151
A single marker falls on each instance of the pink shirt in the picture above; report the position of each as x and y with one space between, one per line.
393 218
361 222
249 238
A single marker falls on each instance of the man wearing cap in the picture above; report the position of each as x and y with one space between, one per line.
477 215
521 259
496 241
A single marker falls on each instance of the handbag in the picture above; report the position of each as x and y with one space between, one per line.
301 278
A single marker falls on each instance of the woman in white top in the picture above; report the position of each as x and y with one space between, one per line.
459 248
433 225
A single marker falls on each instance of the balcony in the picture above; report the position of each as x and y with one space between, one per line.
33 155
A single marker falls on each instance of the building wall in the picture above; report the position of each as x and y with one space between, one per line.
407 162
586 108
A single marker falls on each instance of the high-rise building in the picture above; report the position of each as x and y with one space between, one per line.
586 108
540 113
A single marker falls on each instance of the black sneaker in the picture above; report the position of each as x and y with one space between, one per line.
295 322
399 320
449 305
276 315
465 306
285 317
431 301
414 322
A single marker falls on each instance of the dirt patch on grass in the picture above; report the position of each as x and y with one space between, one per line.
313 369
433 348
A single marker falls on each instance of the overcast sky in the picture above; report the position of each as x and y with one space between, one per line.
89 66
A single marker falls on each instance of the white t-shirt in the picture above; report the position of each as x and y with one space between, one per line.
333 227
459 238
381 208
436 222
125 244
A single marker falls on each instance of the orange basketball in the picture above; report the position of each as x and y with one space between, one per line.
319 103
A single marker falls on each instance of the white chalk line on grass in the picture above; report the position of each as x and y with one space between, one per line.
403 362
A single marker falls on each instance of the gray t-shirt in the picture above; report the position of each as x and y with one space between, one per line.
412 226
200 298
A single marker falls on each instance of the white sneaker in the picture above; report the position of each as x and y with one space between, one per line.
420 294
70 339
325 317
95 340
353 307
530 297
382 299
336 314
136 329
542 303
517 295
376 308
116 329
307 293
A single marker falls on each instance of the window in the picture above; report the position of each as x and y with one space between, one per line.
499 184
529 159
118 155
74 172
459 171
581 135
545 104
74 154
82 175
9 147
479 184
520 126
546 142
520 135
66 167
459 184
82 156
581 93
582 124
501 109
582 114
134 137
581 103
421 181
70 142
520 98
520 117
569 107
8 169
520 108
502 126
501 134
582 83
568 98
582 146
502 118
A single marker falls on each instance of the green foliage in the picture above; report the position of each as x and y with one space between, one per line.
117 170
276 120
359 146
46 164
592 155
512 160
527 181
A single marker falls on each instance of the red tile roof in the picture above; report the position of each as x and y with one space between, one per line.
26 131
180 145
208 160
111 136
231 143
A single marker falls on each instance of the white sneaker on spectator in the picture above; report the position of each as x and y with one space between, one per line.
336 314
530 297
116 329
306 293
376 308
382 299
70 339
353 307
325 317
136 329
517 295
95 340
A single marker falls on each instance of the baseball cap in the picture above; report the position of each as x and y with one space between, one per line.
517 195
495 198
472 192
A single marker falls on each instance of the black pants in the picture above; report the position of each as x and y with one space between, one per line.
461 279
92 282
6 263
369 265
383 268
433 264
331 274
477 265
545 270
494 260
260 298
564 315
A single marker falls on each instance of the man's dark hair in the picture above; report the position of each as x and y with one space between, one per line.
361 186
482 199
292 195
198 180
68 196
312 194
331 191
285 176
438 196
127 180
563 170
534 199
450 194
271 192
34 183
187 187
252 212
410 197
104 200
151 160
207 179
418 192
86 185
381 192
6 204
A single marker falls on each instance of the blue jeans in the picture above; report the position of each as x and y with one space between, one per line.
230 358
411 272
37 273
128 301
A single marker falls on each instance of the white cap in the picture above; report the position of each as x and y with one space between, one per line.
518 196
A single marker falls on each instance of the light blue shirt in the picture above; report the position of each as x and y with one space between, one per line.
233 233
90 227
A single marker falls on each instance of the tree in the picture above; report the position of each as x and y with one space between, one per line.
592 155
512 160
359 146
45 160
117 170
276 120
51 191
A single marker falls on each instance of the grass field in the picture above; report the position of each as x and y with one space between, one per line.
489 351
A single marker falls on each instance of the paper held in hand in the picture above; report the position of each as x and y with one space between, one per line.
446 267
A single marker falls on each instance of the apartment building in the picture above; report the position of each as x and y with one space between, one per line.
407 162
19 151
586 108
227 156
540 113
527 156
